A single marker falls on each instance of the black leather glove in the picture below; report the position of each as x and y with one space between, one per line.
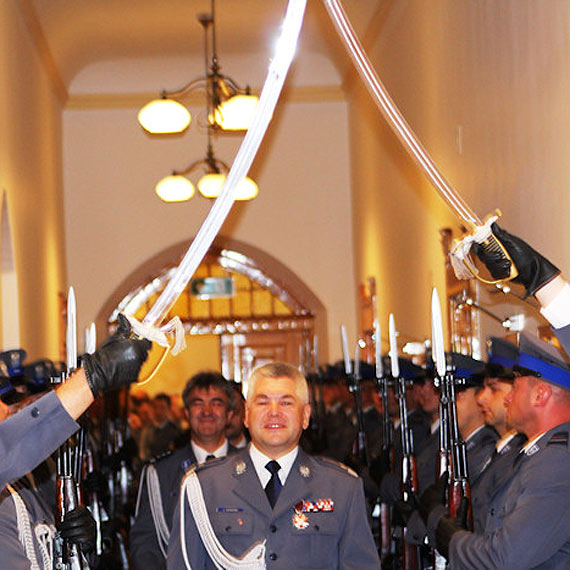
118 362
79 527
534 269
447 527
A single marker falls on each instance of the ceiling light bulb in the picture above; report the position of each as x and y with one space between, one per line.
175 188
162 116
236 113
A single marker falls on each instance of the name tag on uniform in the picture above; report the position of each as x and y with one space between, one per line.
229 510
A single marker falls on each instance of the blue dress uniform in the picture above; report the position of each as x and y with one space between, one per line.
528 521
319 520
480 447
28 437
144 541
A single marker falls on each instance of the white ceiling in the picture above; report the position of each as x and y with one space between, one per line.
90 34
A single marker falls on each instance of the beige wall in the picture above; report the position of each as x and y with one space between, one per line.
30 175
302 216
485 86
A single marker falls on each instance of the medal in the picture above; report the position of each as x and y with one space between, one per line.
300 520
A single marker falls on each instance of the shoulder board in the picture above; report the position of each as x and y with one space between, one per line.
161 457
560 438
209 463
336 464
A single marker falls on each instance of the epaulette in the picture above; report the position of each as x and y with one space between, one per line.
160 457
560 438
209 463
336 464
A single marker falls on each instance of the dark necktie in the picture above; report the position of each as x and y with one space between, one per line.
273 488
210 456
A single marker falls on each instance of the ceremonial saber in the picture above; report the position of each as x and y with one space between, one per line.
277 73
480 231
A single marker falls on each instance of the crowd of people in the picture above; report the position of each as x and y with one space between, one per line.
330 471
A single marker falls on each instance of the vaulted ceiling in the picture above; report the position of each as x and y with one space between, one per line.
78 35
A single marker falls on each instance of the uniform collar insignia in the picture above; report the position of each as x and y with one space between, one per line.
532 450
304 471
240 468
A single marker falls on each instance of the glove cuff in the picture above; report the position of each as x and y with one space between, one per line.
87 365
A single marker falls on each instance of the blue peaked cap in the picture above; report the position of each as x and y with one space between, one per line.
544 359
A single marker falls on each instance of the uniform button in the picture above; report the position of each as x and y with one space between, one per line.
317 527
273 556
228 528
273 528
492 512
35 412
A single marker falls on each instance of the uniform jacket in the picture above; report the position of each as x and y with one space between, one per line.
241 516
145 551
39 515
495 475
28 437
480 447
528 521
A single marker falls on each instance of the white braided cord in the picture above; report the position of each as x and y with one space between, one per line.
253 559
24 528
157 509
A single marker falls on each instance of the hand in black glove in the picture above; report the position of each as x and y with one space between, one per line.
534 269
79 527
447 527
118 362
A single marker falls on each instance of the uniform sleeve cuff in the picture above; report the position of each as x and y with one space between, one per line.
557 312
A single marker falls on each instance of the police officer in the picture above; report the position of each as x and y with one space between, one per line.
527 523
208 398
36 431
497 383
272 504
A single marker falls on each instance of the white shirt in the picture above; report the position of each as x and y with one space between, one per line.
557 312
200 453
260 460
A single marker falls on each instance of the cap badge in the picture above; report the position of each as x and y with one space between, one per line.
240 468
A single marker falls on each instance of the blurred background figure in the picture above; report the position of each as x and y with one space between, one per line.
159 437
236 432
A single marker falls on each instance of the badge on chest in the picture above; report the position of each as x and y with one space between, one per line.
300 519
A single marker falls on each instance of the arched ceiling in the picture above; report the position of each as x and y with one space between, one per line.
80 33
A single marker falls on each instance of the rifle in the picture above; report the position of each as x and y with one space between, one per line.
410 555
452 458
353 380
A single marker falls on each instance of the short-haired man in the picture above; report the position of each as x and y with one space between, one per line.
271 504
527 523
208 399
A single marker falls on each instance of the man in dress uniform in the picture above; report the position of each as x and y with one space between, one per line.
527 522
498 382
272 505
208 398
36 431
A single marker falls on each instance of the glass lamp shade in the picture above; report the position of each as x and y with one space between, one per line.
175 188
236 113
210 186
162 116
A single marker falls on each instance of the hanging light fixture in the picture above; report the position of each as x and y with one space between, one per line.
177 187
230 107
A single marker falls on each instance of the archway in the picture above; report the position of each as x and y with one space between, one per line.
266 313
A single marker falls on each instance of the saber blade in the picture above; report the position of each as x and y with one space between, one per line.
284 52
395 118
345 353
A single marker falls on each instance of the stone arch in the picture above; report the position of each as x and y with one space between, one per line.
269 265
